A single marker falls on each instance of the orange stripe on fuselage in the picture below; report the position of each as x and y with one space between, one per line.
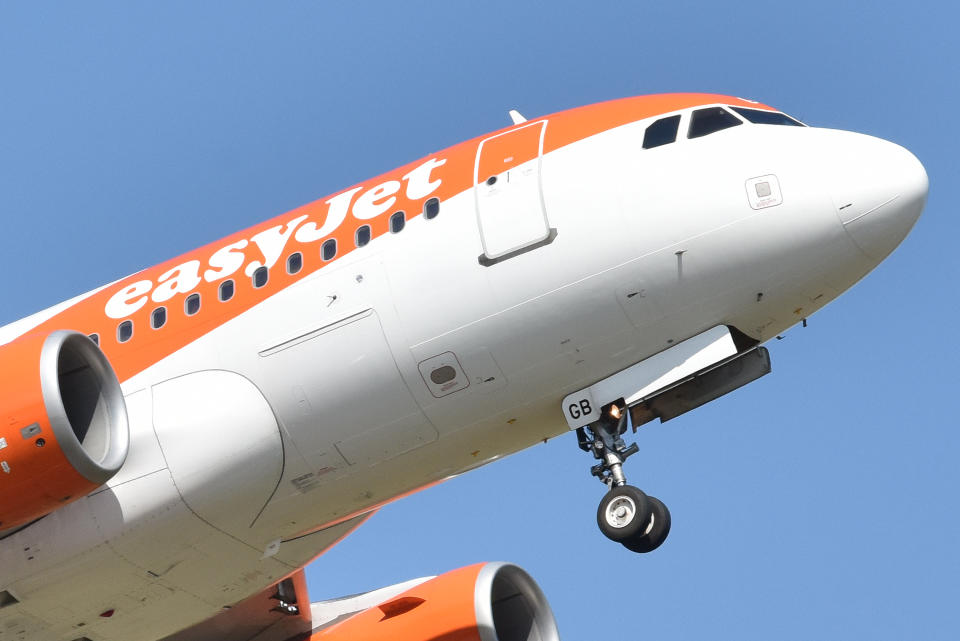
402 190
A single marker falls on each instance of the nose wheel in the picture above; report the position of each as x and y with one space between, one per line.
658 527
626 515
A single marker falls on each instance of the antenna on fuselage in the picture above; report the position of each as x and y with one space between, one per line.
517 117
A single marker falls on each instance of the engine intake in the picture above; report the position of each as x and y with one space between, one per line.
484 602
63 424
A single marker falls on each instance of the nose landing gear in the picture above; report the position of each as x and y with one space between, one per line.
626 515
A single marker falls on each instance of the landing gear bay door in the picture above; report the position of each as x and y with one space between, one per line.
672 382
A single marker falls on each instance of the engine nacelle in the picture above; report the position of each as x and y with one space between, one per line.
484 602
63 424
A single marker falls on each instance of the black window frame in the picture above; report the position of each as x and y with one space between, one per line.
299 259
260 272
120 330
668 120
765 117
324 251
730 120
431 208
186 304
356 236
395 216
162 313
233 290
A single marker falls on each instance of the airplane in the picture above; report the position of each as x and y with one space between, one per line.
178 445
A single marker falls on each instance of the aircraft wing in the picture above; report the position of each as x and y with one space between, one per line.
279 613
485 601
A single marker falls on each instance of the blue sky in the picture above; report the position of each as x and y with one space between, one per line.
819 502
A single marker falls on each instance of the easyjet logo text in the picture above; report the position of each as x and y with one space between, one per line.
266 247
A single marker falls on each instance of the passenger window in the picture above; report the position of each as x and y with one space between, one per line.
662 132
226 290
95 338
125 331
294 263
762 117
192 305
431 208
397 222
362 236
328 250
260 276
158 318
704 122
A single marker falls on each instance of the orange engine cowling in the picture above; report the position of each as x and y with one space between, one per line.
484 602
63 424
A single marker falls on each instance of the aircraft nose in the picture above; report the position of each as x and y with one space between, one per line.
880 190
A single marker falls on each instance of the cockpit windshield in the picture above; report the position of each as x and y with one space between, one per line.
662 132
704 122
708 120
762 117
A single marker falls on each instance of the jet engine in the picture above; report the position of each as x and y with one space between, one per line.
63 424
483 602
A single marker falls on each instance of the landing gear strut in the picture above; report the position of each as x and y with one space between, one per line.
625 515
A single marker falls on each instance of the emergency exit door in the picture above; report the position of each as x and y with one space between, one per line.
510 211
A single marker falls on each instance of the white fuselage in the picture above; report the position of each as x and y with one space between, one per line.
259 445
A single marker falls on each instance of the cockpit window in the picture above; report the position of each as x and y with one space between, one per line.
761 117
710 120
662 132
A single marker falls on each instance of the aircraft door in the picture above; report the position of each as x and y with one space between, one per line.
510 211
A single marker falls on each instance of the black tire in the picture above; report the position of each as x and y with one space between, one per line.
635 509
649 540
